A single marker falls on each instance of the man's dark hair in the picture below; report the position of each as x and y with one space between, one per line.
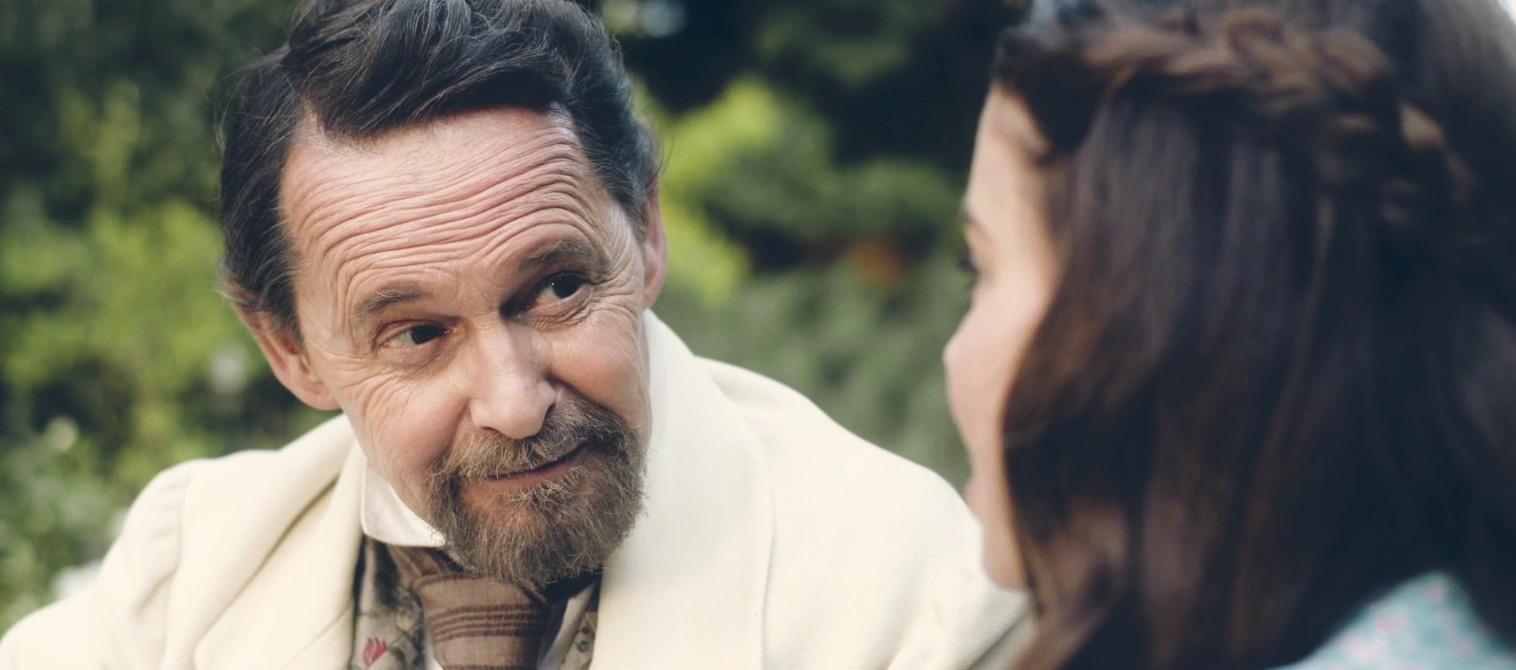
361 68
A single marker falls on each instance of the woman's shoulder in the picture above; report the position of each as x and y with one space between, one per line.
1427 623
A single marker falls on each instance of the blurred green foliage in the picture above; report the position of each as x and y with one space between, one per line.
815 155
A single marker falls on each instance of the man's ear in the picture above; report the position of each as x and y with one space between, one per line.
287 359
655 252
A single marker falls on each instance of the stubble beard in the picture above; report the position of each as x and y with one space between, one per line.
557 529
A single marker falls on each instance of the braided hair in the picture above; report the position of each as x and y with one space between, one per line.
1278 372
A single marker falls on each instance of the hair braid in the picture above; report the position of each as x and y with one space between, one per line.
1328 96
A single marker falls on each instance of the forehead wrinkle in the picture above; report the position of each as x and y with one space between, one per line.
554 176
435 246
512 160
463 257
481 188
308 193
418 276
560 157
516 176
447 156
574 213
534 257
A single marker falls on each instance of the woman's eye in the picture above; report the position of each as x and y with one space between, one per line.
416 336
966 264
562 287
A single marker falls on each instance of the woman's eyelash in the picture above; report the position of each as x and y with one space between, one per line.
966 263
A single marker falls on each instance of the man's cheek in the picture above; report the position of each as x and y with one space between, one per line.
608 369
411 426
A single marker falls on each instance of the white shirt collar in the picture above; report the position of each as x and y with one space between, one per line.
386 518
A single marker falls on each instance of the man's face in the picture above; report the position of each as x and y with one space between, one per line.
471 297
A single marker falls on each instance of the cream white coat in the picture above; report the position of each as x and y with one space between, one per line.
772 538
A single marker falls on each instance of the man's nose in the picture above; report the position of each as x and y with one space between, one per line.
510 390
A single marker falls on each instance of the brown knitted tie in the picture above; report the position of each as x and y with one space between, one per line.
474 623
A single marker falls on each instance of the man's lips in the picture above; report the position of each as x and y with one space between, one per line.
546 470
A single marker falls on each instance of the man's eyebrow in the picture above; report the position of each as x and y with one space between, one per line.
559 252
553 254
387 297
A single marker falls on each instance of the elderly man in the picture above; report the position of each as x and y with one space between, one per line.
442 219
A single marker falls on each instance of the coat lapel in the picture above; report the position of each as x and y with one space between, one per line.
687 588
298 612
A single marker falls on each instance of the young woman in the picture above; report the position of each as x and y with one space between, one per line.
1239 379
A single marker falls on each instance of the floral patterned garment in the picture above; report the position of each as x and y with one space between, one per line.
389 633
1427 623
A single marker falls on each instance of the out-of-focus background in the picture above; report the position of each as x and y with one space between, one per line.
816 152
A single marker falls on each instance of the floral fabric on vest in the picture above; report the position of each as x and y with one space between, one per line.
389 632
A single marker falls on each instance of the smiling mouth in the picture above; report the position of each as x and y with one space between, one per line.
547 469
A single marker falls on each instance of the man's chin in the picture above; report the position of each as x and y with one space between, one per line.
558 526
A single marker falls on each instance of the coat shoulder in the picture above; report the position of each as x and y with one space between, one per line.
246 482
122 618
812 454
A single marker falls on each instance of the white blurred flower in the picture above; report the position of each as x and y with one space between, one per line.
228 370
61 433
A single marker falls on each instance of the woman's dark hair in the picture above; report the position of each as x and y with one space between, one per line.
1278 373
362 68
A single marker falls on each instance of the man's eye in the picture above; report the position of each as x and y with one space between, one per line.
561 287
416 336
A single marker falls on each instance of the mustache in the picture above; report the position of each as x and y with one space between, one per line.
571 423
